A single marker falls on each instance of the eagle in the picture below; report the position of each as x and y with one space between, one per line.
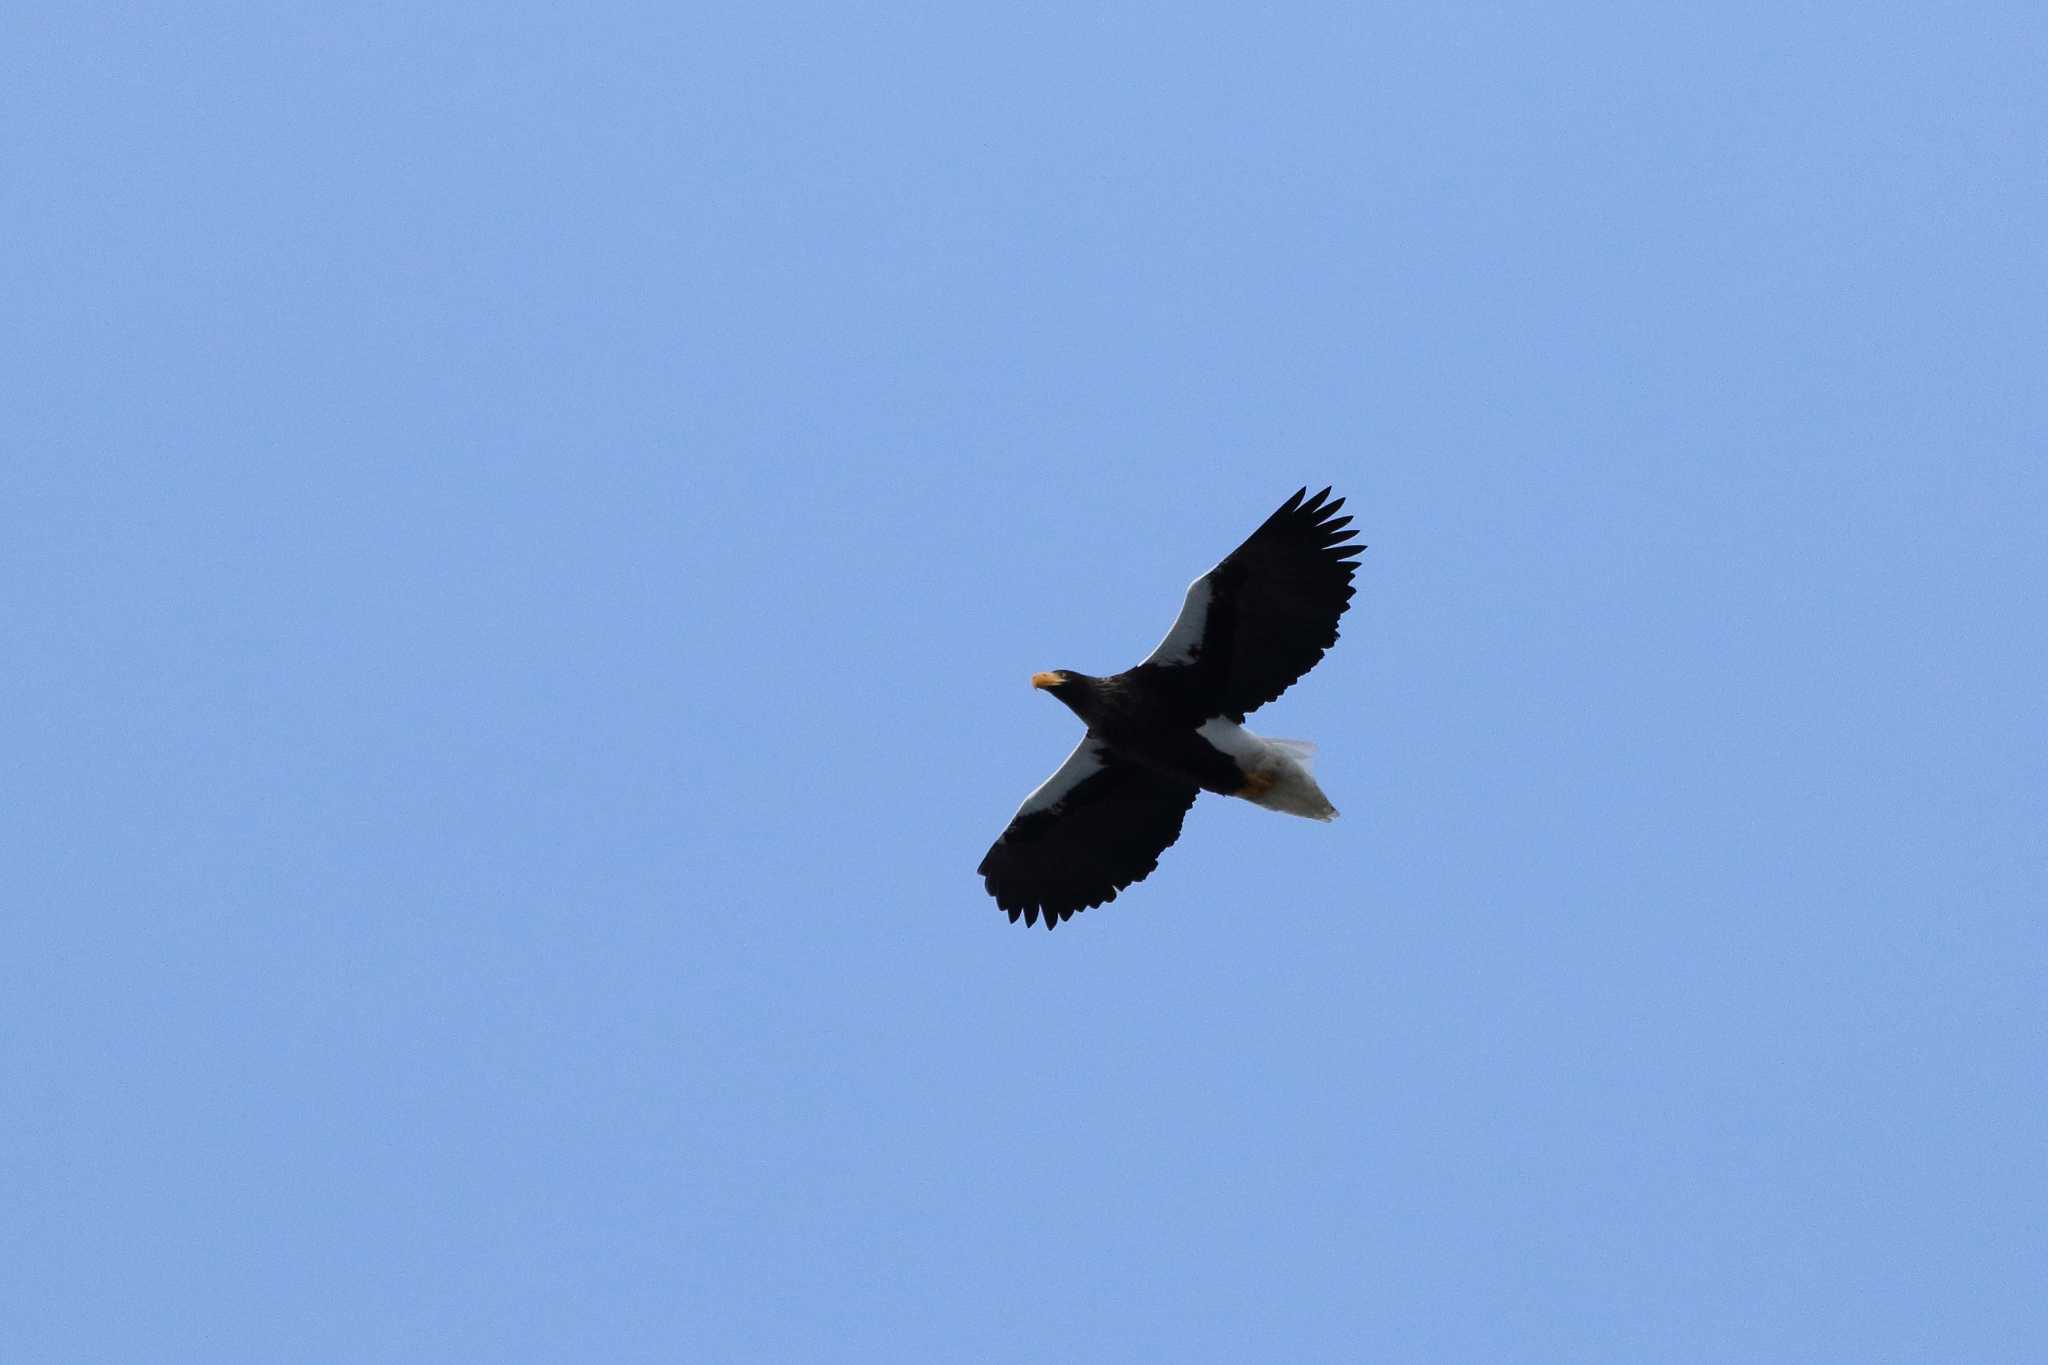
1173 727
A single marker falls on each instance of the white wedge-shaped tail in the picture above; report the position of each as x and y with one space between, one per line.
1277 772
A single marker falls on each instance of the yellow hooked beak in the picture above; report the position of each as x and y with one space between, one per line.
1046 679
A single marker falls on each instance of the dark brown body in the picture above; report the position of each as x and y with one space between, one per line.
1138 715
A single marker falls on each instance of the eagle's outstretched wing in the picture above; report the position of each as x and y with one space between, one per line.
1091 829
1260 619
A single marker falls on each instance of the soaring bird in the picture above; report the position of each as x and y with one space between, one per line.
1173 727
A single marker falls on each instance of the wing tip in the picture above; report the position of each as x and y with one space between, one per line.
1317 508
1033 908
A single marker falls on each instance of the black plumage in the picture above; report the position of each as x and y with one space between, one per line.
1160 733
1276 600
1104 833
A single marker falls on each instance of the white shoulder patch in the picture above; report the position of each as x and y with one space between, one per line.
1184 641
1082 764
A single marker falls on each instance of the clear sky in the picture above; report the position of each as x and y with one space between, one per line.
524 531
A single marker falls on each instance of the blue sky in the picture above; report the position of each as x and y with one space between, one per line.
523 533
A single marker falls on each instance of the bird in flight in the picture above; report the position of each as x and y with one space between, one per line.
1173 727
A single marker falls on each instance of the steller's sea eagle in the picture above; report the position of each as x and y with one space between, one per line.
1173 727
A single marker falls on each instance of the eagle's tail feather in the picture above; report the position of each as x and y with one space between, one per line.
1294 788
1302 751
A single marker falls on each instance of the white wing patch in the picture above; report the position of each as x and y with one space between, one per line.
1082 764
1184 641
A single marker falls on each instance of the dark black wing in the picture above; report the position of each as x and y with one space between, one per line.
1253 624
1094 827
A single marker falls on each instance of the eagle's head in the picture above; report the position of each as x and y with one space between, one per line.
1077 690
